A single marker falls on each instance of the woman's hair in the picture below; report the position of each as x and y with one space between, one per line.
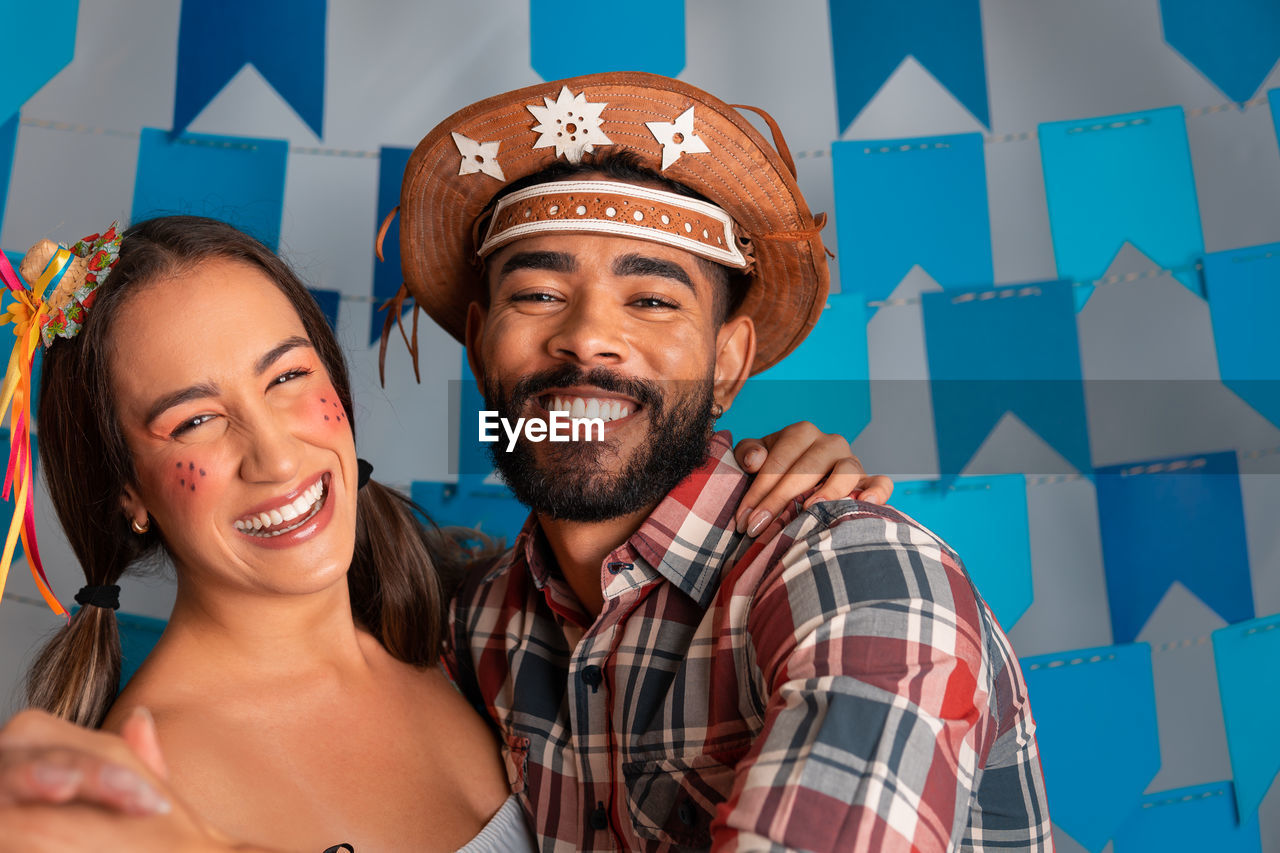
397 589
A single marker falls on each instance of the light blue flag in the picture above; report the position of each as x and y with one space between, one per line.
469 503
283 39
1235 43
824 380
236 179
473 455
40 42
904 202
613 37
1166 520
1096 727
328 300
1121 178
138 636
1273 100
985 520
1195 819
1247 656
1008 349
870 38
1243 285
8 142
6 507
387 276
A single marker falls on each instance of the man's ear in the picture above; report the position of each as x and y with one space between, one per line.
476 316
735 353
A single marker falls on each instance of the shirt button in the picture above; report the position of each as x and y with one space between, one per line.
616 568
591 676
599 817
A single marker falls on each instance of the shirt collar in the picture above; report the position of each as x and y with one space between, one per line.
684 539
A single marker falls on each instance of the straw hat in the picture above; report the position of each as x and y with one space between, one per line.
675 129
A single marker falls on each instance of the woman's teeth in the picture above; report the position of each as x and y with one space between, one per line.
299 511
590 407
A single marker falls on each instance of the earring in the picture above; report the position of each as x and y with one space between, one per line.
140 528
716 410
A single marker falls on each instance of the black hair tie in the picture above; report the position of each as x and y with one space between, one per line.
99 596
363 469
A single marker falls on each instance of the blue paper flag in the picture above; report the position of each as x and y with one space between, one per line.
6 507
328 300
985 520
283 39
1167 520
1234 43
1011 349
912 201
1247 656
387 276
236 179
824 380
1096 727
41 42
1273 101
1121 178
1242 287
870 38
138 636
474 460
8 142
469 503
1199 818
610 38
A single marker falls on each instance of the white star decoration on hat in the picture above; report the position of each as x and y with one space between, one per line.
570 123
478 157
677 137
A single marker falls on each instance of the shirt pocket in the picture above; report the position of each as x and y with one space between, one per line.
672 800
515 757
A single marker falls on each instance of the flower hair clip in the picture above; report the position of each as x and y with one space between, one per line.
64 283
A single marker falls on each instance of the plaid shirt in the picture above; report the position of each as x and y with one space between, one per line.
835 683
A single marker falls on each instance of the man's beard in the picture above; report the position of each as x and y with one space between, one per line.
570 481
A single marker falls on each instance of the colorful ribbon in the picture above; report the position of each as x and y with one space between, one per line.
26 310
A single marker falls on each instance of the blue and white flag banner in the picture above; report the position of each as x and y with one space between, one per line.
387 276
824 380
487 508
328 300
1234 43
1010 349
1095 708
1117 179
871 38
6 507
1243 286
472 454
985 520
40 41
1273 101
8 142
233 178
1173 520
1199 818
613 37
1247 656
138 636
283 39
902 203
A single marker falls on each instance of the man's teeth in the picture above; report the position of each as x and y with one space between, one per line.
590 407
302 508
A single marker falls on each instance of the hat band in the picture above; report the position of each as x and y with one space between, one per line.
621 210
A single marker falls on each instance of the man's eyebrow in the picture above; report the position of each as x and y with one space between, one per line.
177 398
550 261
649 266
279 350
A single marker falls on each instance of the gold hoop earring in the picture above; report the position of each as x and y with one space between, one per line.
140 528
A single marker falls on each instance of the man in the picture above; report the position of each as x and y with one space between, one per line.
830 680
629 246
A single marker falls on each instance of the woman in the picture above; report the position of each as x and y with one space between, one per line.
204 411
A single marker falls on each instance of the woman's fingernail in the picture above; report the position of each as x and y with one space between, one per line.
756 457
743 515
55 777
758 521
